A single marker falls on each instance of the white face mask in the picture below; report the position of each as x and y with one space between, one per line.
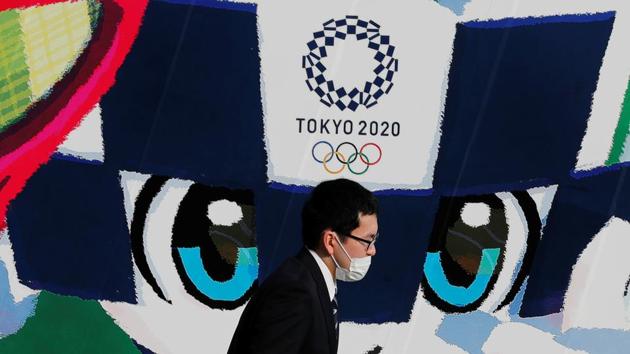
358 267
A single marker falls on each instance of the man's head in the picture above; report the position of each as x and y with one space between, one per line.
340 211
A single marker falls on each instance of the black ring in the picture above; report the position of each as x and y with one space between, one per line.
349 160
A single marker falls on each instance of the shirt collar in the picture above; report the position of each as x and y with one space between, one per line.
330 282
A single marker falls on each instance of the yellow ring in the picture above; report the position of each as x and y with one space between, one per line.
340 156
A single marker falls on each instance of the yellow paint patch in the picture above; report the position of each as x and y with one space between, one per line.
54 36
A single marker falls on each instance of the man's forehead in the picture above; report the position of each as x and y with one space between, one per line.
368 221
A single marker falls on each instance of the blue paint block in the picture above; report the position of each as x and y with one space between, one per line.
217 4
596 341
13 314
518 99
278 227
620 200
468 331
550 323
187 100
69 233
579 210
515 305
142 349
457 6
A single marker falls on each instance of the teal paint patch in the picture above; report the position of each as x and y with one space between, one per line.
459 295
245 273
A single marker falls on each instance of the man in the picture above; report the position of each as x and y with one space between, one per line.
294 310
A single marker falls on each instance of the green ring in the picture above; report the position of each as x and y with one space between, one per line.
366 166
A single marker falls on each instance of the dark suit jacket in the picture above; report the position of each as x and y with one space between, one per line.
290 313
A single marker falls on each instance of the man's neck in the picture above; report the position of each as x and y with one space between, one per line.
328 261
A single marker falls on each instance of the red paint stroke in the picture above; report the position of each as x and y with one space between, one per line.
28 144
21 4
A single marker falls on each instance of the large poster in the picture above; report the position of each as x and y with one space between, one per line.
354 90
155 157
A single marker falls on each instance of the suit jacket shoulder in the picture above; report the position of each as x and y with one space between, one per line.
290 312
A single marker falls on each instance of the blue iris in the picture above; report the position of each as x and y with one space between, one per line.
459 295
245 274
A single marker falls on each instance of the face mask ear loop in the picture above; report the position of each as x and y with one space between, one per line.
334 260
344 251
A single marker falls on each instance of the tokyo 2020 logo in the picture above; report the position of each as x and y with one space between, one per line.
350 159
342 97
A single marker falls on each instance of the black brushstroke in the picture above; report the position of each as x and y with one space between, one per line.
375 350
142 204
534 227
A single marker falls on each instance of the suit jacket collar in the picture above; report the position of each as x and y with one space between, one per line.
331 286
322 291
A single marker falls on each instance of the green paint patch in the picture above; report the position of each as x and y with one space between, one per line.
63 324
15 92
94 11
621 132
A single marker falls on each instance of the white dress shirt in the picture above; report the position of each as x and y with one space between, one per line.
331 285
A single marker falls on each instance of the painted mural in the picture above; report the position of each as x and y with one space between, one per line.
155 155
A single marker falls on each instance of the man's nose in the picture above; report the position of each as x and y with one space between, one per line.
371 250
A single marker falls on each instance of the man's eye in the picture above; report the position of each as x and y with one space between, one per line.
480 249
212 240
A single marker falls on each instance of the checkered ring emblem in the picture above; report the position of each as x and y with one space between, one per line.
350 98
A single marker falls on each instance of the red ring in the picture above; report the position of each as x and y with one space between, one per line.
380 154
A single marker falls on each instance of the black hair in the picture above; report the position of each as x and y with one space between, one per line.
336 205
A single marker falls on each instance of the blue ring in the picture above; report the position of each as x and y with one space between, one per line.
322 142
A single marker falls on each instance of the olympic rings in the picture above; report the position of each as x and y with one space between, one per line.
359 154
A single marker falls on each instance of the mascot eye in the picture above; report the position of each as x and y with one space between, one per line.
212 240
214 247
480 251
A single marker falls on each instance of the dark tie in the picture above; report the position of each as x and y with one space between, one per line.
334 308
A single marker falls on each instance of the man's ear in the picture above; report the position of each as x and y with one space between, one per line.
328 238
